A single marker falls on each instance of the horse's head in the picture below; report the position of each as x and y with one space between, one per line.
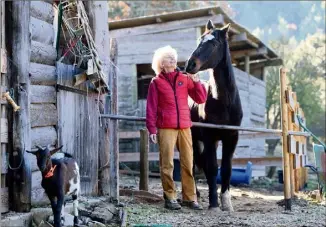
211 49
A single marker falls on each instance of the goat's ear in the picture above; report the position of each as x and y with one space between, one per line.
209 25
31 152
56 150
39 147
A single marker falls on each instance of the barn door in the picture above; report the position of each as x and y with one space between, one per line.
78 125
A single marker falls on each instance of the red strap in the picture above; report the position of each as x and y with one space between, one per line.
50 173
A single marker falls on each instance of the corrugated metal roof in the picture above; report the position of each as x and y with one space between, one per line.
187 14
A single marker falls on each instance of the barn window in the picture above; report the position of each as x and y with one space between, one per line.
145 73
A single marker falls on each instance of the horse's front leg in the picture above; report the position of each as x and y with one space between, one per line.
211 171
229 145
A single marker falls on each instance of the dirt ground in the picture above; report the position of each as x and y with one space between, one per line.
255 205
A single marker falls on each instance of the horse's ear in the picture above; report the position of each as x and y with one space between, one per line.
209 25
226 28
52 152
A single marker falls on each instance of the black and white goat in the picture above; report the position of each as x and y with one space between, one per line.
60 178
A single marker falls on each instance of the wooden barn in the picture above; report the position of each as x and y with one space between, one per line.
60 99
138 38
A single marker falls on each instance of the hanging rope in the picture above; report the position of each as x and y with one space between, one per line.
307 130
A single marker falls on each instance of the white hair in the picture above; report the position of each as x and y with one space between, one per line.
160 54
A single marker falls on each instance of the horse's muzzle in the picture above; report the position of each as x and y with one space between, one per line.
191 66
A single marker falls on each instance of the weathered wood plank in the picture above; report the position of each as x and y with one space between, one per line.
43 94
289 100
168 26
3 56
42 11
78 133
258 82
43 136
42 74
299 148
183 41
147 58
4 130
297 162
129 135
42 53
292 144
41 31
4 162
4 199
169 36
184 49
43 115
38 194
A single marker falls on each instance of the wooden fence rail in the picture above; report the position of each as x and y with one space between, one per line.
276 132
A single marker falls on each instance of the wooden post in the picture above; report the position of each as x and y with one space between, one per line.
247 64
286 160
113 126
21 181
98 14
143 164
2 11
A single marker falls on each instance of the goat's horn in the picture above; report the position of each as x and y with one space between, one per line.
31 152
39 147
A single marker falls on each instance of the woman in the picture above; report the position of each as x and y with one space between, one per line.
168 122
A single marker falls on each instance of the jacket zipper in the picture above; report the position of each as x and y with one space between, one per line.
175 97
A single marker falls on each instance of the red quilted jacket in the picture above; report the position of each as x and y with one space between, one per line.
167 102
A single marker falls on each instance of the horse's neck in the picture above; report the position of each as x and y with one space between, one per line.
223 74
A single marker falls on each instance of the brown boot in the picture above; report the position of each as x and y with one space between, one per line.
192 205
172 204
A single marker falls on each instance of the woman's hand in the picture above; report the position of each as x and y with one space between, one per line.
153 138
194 77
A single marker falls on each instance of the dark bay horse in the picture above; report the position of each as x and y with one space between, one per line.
223 106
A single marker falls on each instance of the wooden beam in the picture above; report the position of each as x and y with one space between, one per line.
263 63
41 31
247 64
248 52
21 47
2 24
3 60
154 156
43 53
41 74
241 39
129 135
168 26
42 10
108 179
43 115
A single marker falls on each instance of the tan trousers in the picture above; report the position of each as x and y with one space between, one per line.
167 139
